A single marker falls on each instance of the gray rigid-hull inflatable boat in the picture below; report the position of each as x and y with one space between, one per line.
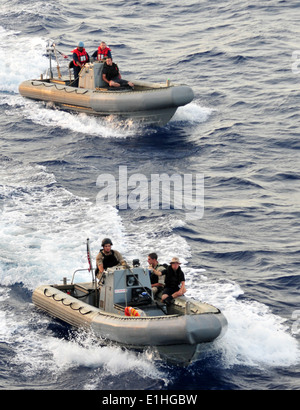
149 103
121 308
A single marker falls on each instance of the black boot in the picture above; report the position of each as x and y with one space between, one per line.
169 300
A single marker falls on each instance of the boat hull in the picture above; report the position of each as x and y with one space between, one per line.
174 335
149 103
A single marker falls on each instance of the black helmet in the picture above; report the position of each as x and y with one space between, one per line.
106 241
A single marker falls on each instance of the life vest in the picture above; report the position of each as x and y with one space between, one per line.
109 260
82 56
153 277
174 278
101 54
130 311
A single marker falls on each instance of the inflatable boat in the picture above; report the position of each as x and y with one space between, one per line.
120 307
149 103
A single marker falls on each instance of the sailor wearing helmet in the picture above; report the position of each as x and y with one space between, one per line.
80 58
107 258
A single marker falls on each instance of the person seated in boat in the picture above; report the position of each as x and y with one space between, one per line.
156 271
174 282
107 258
112 76
102 52
80 58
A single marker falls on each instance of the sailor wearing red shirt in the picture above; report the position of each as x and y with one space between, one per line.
103 52
80 58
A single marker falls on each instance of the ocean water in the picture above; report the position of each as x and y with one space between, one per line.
241 133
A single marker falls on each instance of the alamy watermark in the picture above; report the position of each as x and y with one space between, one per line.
296 324
296 62
159 191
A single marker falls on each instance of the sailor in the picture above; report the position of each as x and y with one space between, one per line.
174 282
107 258
112 76
80 58
102 52
157 273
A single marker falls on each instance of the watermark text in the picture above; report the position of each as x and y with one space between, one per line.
159 191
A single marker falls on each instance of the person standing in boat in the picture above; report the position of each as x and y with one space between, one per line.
102 52
80 58
112 76
107 258
156 270
174 282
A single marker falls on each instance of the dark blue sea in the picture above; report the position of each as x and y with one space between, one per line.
241 133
